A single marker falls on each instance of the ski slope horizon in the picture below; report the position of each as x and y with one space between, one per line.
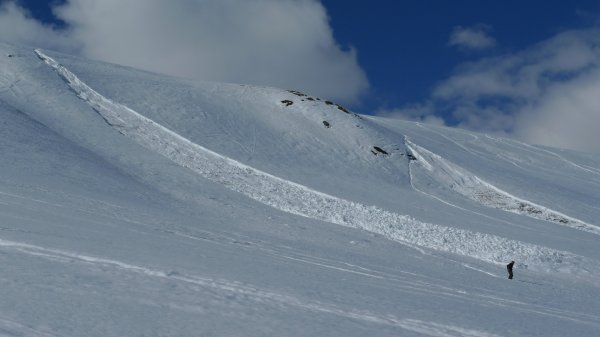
225 160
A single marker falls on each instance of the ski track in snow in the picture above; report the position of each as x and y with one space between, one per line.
536 149
13 328
467 184
301 200
223 286
412 184
464 148
252 293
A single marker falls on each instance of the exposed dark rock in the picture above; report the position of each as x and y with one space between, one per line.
329 102
342 108
410 156
10 55
287 102
310 98
326 123
297 93
379 150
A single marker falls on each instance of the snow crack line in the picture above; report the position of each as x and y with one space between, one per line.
301 200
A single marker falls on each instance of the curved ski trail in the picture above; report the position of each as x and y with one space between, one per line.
297 199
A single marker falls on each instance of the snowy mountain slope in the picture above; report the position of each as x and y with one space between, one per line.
292 157
461 181
537 174
177 203
297 199
207 113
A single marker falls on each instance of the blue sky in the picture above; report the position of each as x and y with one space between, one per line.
403 45
512 68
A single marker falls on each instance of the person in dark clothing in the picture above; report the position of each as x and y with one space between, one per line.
509 268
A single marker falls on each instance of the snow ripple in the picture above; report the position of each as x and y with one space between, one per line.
301 200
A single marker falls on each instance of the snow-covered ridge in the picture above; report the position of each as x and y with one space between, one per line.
301 200
467 184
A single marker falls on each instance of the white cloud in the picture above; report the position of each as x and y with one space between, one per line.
282 43
423 113
16 25
566 115
547 94
475 37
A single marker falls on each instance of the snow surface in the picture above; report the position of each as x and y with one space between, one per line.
134 204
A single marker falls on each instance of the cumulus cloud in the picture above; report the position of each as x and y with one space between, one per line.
17 25
282 43
420 112
566 115
474 38
546 94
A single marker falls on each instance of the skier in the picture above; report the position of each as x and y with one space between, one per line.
509 268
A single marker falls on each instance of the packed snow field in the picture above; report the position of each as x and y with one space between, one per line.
135 204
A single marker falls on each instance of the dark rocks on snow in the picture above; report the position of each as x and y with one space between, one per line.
379 150
342 108
410 156
297 93
326 123
308 98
